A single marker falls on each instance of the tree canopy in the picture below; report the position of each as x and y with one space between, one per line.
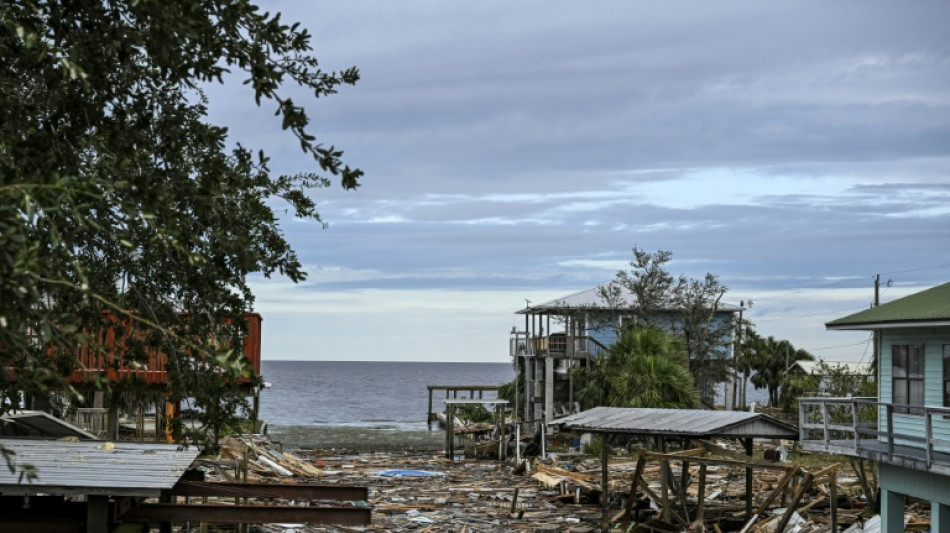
687 307
769 358
645 367
116 192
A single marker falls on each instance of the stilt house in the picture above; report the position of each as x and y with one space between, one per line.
906 428
571 331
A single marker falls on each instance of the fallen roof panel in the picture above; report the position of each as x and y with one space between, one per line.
95 467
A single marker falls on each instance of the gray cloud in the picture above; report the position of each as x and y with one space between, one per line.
518 146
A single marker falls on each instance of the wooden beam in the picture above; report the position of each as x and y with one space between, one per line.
747 442
247 514
258 490
701 504
805 485
604 483
778 490
833 496
637 473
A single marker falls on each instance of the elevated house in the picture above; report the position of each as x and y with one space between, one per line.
571 331
103 356
906 428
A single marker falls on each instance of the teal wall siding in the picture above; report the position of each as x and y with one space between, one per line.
933 339
925 485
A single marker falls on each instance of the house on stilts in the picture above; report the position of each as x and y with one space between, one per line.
571 331
906 428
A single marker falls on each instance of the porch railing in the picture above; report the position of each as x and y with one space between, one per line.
556 344
865 426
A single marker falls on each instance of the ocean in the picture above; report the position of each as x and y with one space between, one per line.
380 395
358 405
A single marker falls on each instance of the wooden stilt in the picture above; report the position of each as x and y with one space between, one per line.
605 483
701 504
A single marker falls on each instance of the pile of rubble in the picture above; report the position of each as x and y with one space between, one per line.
698 490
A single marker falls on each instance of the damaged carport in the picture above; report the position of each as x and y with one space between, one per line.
95 485
675 424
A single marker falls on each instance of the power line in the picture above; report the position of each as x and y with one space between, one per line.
848 280
837 346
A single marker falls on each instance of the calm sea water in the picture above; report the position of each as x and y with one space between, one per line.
385 395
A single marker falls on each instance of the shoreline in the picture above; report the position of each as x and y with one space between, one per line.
359 439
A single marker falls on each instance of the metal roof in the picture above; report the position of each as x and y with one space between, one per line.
593 299
926 308
689 423
91 467
39 424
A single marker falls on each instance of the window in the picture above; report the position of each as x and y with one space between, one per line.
907 373
946 375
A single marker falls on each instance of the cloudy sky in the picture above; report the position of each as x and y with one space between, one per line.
519 150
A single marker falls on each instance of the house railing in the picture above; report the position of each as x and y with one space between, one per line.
557 344
856 425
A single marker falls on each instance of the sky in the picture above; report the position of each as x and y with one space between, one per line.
518 151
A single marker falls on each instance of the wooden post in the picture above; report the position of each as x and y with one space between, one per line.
604 483
637 473
748 480
665 489
834 500
97 513
429 412
172 409
701 503
450 431
684 480
158 421
255 410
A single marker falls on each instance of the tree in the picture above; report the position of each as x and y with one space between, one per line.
770 359
645 367
117 194
687 307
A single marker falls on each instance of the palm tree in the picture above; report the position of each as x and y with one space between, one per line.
770 360
645 367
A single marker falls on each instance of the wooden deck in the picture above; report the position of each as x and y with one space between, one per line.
102 356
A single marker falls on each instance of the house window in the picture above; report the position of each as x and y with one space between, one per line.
907 372
946 375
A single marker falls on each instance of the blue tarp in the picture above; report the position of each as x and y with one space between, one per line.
408 473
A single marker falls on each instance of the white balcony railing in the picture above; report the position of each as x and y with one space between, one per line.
913 436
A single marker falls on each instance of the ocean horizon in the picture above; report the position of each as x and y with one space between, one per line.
364 394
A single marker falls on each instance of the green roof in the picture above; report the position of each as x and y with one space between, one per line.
922 308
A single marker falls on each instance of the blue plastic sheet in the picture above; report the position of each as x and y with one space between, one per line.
408 473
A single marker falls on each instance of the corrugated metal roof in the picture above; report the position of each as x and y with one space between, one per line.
90 467
593 299
679 423
39 424
922 308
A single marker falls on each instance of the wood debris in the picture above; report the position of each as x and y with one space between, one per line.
700 490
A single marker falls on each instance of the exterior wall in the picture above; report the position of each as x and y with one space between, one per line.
924 485
933 340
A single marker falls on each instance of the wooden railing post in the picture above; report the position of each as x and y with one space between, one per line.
929 432
890 431
856 420
824 421
803 420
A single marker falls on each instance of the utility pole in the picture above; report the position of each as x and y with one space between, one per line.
738 390
876 338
